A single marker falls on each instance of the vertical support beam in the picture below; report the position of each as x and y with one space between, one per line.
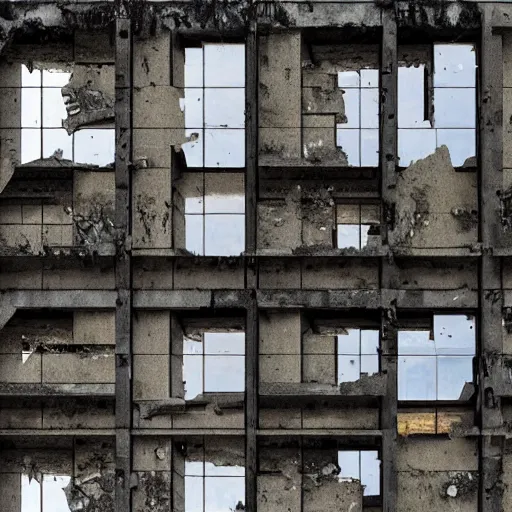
388 155
251 406
123 116
491 296
251 137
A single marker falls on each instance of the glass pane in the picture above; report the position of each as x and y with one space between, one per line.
30 108
194 494
370 364
224 148
348 461
54 110
370 214
57 139
224 65
215 470
193 67
369 78
411 98
193 376
224 193
30 145
193 192
454 65
348 141
349 344
415 343
461 144
369 148
348 236
349 369
348 79
224 494
414 145
351 100
29 79
194 108
453 373
224 108
369 108
191 346
55 78
194 468
54 499
455 108
370 472
95 146
232 343
454 334
30 495
194 234
417 378
194 148
348 214
224 235
369 341
224 374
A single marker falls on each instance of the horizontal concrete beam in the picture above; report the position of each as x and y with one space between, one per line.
57 390
366 386
223 299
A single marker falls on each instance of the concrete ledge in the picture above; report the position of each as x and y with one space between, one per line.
58 390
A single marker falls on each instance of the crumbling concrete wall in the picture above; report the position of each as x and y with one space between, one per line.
158 126
438 206
442 475
90 464
42 351
280 346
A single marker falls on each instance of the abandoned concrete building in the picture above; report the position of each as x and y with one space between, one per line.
255 255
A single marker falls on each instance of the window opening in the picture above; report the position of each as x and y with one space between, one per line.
438 364
47 496
43 110
215 216
212 487
358 136
215 105
357 354
214 362
453 121
362 465
357 226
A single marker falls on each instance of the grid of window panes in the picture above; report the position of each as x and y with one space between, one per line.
358 137
212 487
42 112
215 215
215 105
436 365
214 363
46 495
454 118
357 225
362 465
357 353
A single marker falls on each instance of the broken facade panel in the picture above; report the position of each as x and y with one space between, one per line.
254 257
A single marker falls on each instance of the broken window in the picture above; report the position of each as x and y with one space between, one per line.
357 226
45 105
358 133
215 105
437 107
44 494
213 362
215 477
361 465
437 363
357 354
435 421
214 208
